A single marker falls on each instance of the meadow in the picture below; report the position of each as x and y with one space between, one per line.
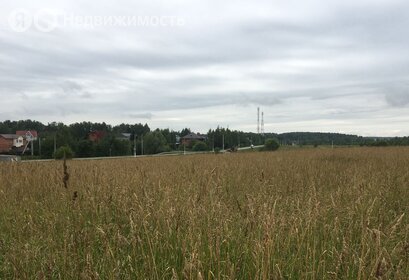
299 214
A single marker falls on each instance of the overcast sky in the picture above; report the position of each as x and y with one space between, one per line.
311 65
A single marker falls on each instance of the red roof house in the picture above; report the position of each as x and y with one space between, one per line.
28 134
10 143
191 137
96 136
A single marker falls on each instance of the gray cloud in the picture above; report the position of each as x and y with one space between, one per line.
147 116
397 95
311 65
72 89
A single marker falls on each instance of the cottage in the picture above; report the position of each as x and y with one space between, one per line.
192 137
11 143
124 136
30 135
96 136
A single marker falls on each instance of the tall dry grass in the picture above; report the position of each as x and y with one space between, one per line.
306 214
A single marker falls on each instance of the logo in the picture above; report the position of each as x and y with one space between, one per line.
46 20
43 20
20 20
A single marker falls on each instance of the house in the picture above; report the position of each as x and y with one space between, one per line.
30 135
17 143
187 140
124 136
11 143
96 136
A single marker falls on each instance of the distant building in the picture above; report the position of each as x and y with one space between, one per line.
124 136
17 143
30 135
11 143
191 137
96 136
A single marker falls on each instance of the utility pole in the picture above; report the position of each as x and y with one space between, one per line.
142 144
55 143
39 146
223 141
32 147
134 145
258 120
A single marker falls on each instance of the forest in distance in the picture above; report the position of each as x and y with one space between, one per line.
76 137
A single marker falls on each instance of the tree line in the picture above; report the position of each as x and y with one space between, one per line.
143 140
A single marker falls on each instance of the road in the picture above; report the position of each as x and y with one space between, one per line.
181 153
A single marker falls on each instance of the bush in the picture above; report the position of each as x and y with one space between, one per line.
155 142
199 147
85 148
191 144
59 154
271 145
380 144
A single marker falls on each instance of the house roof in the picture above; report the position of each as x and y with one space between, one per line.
10 136
192 136
96 135
24 133
126 136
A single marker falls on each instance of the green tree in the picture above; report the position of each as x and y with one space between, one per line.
155 142
185 132
200 146
271 145
110 146
64 151
85 148
120 147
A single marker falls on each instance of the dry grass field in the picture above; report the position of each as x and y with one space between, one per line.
305 214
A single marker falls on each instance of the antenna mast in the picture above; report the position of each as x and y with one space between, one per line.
262 123
258 120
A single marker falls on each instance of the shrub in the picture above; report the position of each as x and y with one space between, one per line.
155 142
59 154
380 144
271 145
200 146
